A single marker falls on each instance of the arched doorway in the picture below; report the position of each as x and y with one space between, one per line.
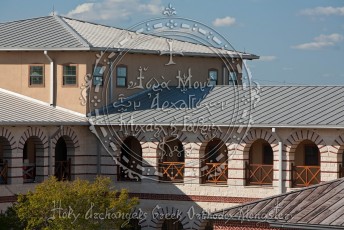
172 224
5 152
63 148
33 147
306 166
259 169
131 160
172 161
215 167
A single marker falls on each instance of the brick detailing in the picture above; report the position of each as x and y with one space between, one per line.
338 144
239 225
8 199
298 136
255 134
5 133
72 139
33 132
195 198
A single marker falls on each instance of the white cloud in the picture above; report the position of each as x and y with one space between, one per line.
226 21
267 58
324 11
320 42
117 10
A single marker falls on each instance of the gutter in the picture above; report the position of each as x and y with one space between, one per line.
51 86
109 122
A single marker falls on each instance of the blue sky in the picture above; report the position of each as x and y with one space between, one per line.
300 42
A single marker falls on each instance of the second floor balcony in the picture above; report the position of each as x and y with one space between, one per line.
259 174
172 171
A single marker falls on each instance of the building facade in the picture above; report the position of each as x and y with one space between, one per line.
187 138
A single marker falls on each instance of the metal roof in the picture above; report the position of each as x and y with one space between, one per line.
62 33
38 33
317 207
270 106
16 109
109 37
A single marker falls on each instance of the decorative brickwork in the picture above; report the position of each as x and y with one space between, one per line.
237 225
195 198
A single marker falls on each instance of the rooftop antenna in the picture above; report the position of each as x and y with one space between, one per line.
53 10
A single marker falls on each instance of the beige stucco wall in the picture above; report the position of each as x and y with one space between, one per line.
14 74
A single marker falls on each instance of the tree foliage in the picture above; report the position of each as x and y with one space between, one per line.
75 205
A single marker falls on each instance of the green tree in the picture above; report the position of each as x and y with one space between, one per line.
75 205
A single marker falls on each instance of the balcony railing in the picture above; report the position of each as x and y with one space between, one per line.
29 172
341 171
172 171
215 173
63 170
3 172
303 176
259 174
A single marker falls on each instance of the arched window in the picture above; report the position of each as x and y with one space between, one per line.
172 161
259 169
215 168
306 166
131 160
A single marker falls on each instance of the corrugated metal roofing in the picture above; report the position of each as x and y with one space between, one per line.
110 37
273 106
316 207
61 33
20 110
38 33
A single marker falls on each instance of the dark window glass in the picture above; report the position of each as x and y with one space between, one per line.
98 75
311 155
122 76
212 77
69 75
268 156
36 75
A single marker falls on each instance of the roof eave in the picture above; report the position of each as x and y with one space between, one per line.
239 125
44 123
196 54
43 49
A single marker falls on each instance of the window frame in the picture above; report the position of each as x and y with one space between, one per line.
234 82
126 76
43 76
76 75
217 76
94 76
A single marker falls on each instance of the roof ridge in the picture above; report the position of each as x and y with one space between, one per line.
73 32
26 19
